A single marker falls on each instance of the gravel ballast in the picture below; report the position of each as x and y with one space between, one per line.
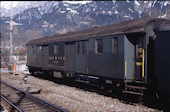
71 98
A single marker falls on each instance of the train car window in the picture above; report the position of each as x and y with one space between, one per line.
78 48
99 46
56 49
39 49
83 47
115 45
46 50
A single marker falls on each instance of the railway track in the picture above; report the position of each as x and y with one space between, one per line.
25 102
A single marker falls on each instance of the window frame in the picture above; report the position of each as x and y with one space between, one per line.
45 49
83 47
78 47
39 49
98 46
56 49
115 45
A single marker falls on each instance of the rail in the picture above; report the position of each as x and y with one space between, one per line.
11 104
42 102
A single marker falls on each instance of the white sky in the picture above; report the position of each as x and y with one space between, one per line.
76 2
7 4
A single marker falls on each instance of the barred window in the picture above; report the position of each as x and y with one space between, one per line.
45 50
83 47
39 49
99 46
114 45
78 48
56 49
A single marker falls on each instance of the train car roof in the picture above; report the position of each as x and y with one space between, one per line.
132 26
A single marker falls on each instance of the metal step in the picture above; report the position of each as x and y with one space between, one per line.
136 87
81 81
141 82
132 92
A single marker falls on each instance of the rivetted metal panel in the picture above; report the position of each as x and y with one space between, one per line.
31 56
107 64
162 61
70 56
28 55
129 50
56 61
81 57
45 52
39 56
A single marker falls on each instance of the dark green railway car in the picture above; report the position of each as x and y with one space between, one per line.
124 55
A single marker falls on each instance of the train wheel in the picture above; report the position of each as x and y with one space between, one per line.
45 72
141 99
31 71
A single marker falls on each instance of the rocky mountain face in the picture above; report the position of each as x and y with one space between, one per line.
60 17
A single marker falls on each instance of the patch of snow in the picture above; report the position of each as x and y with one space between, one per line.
116 12
78 2
137 3
45 24
103 12
109 12
69 17
130 9
145 1
62 11
128 1
51 25
154 3
164 16
84 22
87 9
66 5
9 4
140 12
128 17
72 11
41 12
18 6
166 2
56 3
150 4
29 14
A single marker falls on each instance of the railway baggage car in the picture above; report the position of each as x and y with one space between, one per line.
132 56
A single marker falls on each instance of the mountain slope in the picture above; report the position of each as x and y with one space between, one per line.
61 17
